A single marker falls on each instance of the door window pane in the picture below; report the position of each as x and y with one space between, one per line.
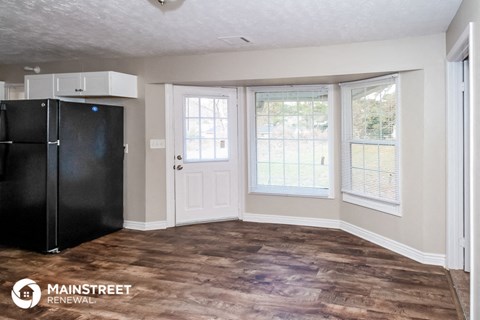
206 129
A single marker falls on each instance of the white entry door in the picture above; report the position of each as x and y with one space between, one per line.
206 159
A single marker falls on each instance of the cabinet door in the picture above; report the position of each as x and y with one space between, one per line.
39 86
96 83
68 84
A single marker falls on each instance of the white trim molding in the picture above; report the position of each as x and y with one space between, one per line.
296 221
395 246
145 226
387 243
169 155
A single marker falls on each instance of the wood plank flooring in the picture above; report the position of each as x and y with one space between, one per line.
461 284
232 270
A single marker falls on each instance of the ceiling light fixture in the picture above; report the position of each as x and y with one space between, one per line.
34 69
162 2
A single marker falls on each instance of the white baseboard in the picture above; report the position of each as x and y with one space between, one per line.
395 246
297 221
145 226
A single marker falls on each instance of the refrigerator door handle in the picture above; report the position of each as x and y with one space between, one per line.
3 122
3 144
54 142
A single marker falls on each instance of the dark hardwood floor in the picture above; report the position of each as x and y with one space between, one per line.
461 285
232 270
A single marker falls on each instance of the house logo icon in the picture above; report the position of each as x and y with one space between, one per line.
26 293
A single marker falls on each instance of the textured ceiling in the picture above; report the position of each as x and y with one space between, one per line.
48 30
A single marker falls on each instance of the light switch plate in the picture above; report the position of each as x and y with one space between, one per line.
157 143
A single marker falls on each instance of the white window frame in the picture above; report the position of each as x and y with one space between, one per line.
253 188
377 203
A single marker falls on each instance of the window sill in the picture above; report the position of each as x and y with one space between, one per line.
292 192
385 207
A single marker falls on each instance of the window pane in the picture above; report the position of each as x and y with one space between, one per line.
221 128
372 183
193 108
306 175
388 185
357 156
290 107
321 106
207 149
276 174
370 166
192 149
387 158
275 108
263 127
291 127
291 151
321 153
373 112
207 128
321 177
305 107
371 157
292 137
263 173
306 152
320 126
305 127
358 180
263 151
276 151
192 129
221 108
206 107
291 175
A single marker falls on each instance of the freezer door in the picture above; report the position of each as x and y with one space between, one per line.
27 205
29 121
90 172
3 140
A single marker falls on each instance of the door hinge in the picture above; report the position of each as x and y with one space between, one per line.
462 86
461 242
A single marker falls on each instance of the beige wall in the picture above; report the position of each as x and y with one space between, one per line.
422 225
155 161
469 11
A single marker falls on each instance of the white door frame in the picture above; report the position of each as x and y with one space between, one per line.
455 155
466 45
170 154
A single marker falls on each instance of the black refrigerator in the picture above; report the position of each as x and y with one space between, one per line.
61 173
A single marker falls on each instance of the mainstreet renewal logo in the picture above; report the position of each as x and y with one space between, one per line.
26 293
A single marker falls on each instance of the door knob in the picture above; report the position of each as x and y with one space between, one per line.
179 157
179 167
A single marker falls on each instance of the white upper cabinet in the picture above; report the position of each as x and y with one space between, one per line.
39 86
81 84
96 84
68 84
